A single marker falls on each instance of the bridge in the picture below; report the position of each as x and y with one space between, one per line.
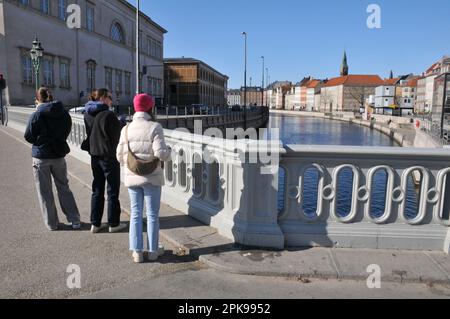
236 186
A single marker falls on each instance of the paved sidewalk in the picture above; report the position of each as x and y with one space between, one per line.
190 237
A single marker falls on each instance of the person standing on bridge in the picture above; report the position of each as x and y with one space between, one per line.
141 151
103 131
48 130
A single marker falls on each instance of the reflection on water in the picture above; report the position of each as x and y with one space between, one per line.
316 131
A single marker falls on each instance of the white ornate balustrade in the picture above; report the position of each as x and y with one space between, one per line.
359 227
214 181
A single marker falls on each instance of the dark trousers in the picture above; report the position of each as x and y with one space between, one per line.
105 170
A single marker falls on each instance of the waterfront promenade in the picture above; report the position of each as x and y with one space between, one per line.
198 262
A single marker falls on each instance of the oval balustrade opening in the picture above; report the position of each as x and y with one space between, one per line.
169 171
310 191
197 175
445 215
281 190
214 181
413 194
182 173
344 192
378 193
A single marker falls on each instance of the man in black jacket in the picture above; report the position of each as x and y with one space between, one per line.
103 130
48 130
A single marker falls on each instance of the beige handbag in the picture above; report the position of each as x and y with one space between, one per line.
138 166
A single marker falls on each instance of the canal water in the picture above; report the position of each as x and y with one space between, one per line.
317 131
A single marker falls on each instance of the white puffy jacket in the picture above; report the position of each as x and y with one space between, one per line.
146 140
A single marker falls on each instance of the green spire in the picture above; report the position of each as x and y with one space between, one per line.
344 66
391 76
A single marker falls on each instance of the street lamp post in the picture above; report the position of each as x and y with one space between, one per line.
267 81
36 54
262 87
245 80
138 67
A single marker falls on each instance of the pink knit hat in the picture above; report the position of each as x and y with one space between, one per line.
143 103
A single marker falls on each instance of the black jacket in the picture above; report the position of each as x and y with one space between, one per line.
48 129
103 130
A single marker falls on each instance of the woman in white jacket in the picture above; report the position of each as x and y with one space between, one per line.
146 141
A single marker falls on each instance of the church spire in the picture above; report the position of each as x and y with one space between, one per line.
344 66
391 75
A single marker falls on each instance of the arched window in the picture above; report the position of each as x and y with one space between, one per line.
117 33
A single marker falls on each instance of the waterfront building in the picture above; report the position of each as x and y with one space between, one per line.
190 81
425 86
234 97
293 98
312 89
254 95
441 107
385 100
99 54
348 93
276 94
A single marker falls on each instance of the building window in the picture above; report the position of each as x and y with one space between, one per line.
25 2
149 46
118 85
141 41
159 50
27 69
64 73
90 18
117 33
47 67
108 79
159 87
62 9
150 85
91 66
45 6
127 83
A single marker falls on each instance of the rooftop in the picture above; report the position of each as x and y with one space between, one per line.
184 60
356 80
143 15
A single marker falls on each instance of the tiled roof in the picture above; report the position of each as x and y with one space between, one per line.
356 80
412 83
393 81
313 83
431 68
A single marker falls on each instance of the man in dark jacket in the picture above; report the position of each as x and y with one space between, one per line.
48 130
103 130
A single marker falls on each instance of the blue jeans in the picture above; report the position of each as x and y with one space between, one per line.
152 196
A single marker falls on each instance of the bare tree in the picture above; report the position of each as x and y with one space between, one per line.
325 99
359 95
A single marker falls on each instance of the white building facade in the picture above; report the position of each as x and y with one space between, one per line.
234 97
99 54
384 96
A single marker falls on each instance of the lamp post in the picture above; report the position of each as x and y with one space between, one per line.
262 86
267 81
138 67
245 80
36 54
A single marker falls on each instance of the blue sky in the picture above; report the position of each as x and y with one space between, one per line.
300 38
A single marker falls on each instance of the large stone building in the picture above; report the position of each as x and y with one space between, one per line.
190 81
276 94
348 93
99 54
255 96
425 85
234 97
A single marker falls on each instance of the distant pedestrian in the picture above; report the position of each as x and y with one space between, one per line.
103 131
141 151
48 130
